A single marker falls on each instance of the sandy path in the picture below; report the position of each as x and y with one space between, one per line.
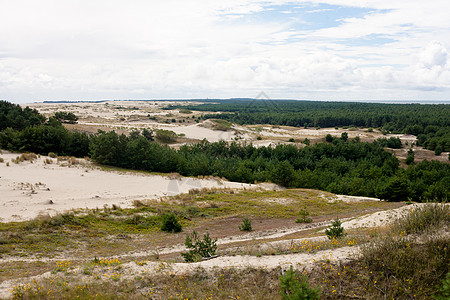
27 188
129 270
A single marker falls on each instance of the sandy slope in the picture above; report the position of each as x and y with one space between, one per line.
27 188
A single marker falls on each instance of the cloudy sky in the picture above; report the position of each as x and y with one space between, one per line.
318 50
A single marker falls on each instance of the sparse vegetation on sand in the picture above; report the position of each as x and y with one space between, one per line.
394 264
194 245
104 227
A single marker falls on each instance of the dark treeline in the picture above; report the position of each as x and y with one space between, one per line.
430 123
341 166
13 116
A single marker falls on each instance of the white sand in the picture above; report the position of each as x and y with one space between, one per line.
381 218
27 188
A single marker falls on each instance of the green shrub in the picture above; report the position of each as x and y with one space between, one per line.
199 248
296 287
246 225
170 223
304 217
443 292
291 140
166 136
335 230
66 117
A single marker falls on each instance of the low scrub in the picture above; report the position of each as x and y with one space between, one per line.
414 257
427 218
170 223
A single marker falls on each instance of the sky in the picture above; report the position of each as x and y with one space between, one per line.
184 49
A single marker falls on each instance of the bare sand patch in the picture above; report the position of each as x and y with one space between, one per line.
29 189
381 218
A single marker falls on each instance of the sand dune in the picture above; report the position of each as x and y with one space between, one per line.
30 188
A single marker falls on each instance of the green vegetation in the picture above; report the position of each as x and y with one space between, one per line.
343 166
443 292
166 136
170 223
199 248
66 117
222 125
14 117
410 157
335 231
430 123
246 225
394 264
304 217
392 142
97 231
295 286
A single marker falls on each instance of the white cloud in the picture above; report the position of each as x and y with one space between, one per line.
181 49
434 55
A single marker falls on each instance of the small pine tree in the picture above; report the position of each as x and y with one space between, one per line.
304 217
199 248
170 223
335 230
246 225
296 287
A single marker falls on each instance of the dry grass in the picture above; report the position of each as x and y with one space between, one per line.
108 281
24 157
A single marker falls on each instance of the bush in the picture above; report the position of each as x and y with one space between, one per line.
296 287
170 223
66 117
304 217
335 230
166 136
246 225
443 291
199 248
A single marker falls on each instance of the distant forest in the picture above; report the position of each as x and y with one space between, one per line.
340 165
430 123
